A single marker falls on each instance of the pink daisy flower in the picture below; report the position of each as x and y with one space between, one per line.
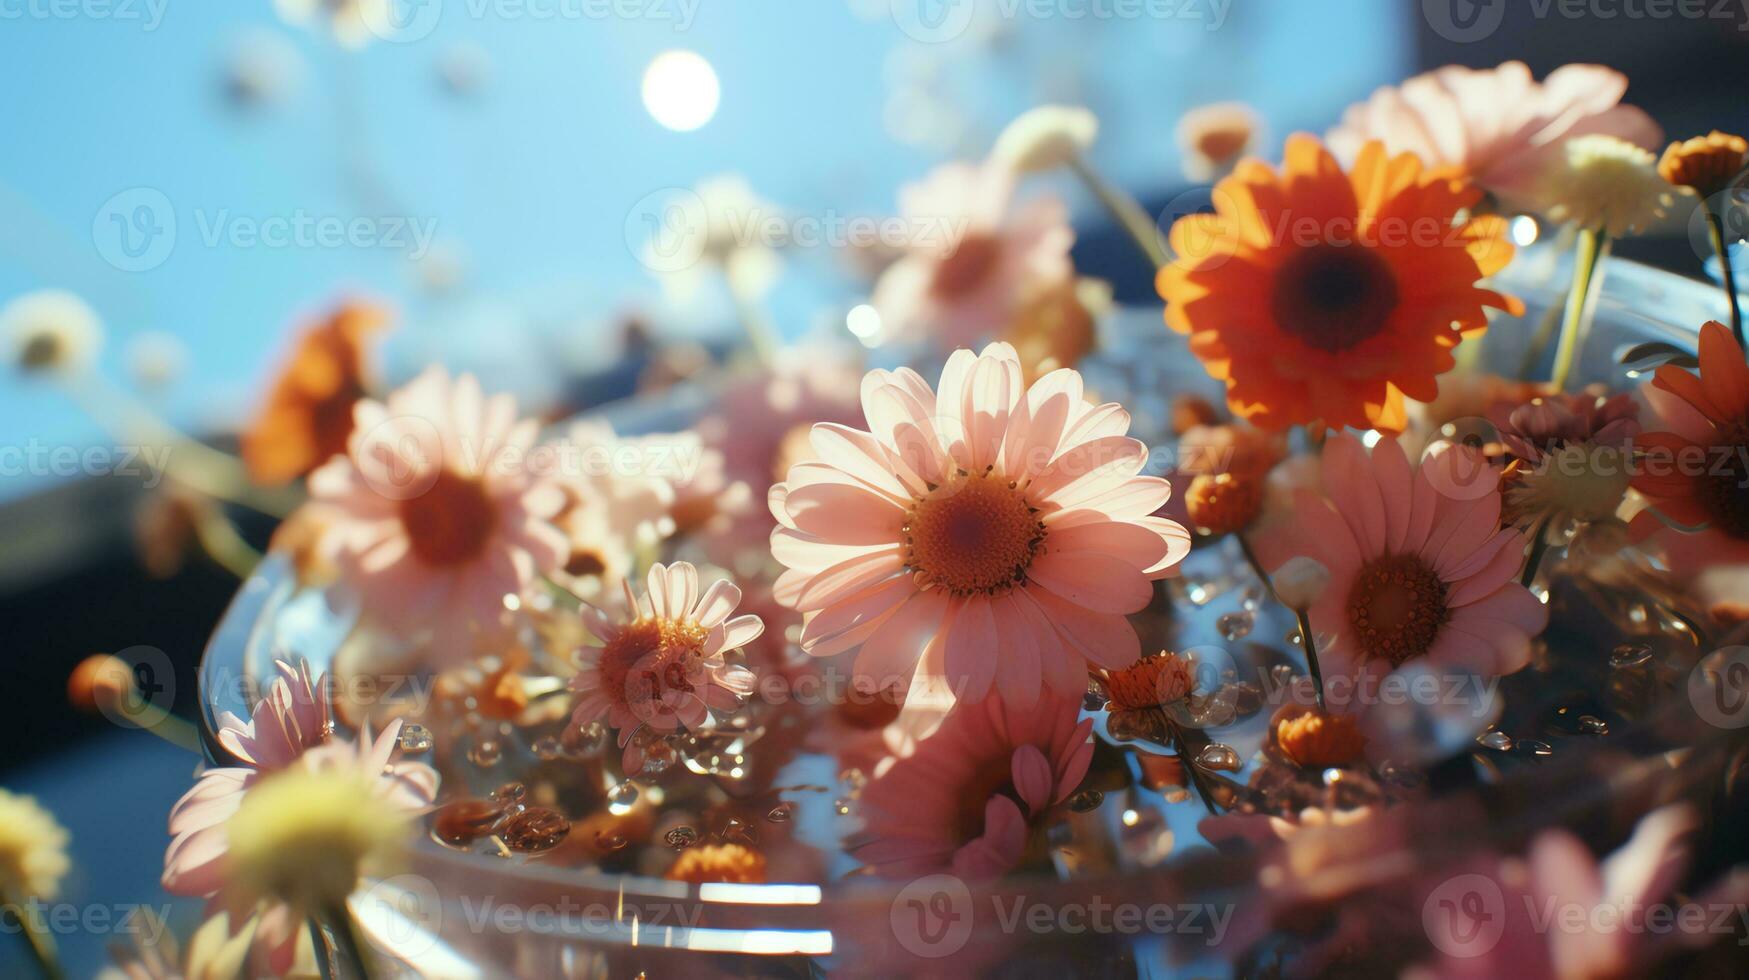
973 256
290 726
433 515
1499 125
987 524
660 664
969 797
1420 568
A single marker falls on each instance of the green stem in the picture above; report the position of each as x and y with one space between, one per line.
1123 208
1588 253
760 332
219 537
1311 647
1251 559
1181 741
349 944
1716 230
42 945
1539 546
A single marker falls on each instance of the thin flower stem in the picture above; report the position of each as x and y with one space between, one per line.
42 945
1539 546
1181 742
1716 230
761 335
1592 245
170 727
219 537
349 944
1252 559
1539 341
1311 646
1130 216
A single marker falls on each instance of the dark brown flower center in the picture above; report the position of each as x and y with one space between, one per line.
450 523
1333 297
995 776
1725 490
965 269
1396 607
976 534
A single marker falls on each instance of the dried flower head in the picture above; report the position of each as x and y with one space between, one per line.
1707 164
1223 502
1571 455
1151 682
1317 739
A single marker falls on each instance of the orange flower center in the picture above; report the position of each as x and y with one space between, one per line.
1397 607
1333 297
450 523
961 272
1149 682
1726 492
975 535
651 658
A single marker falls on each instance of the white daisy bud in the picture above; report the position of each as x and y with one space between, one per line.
1045 138
51 330
1300 582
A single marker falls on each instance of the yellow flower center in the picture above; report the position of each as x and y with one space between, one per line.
1333 297
976 534
1397 607
651 658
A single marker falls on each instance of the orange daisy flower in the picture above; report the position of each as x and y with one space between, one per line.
308 415
1696 473
1318 295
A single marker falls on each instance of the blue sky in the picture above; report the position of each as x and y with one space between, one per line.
533 176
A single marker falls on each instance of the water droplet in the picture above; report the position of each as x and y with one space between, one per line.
1097 694
1144 836
584 739
1593 725
1176 795
535 829
622 798
659 757
1630 655
1495 739
681 838
462 822
607 840
1535 747
510 794
1235 625
1219 757
486 753
548 747
416 738
1087 799
780 813
737 831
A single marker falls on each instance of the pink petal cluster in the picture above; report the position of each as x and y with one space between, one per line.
1499 125
974 256
661 661
289 726
989 470
434 515
968 797
1434 529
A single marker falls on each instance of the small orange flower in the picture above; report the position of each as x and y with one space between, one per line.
1323 296
1223 502
308 414
1696 474
731 863
1706 163
1317 739
1150 682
